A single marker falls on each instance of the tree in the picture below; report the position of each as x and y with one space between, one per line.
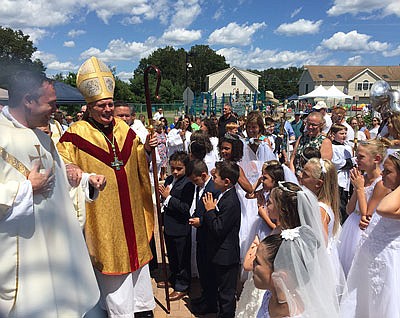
16 52
282 81
204 61
172 64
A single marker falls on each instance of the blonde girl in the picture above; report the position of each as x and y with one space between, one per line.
320 177
368 192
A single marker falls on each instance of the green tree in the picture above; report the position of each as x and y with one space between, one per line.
172 64
16 52
204 61
282 81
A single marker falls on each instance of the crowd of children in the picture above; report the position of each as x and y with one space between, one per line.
319 233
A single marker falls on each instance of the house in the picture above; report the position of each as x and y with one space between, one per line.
232 81
351 80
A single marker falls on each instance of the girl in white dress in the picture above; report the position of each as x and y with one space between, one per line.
368 192
255 152
320 177
251 298
374 280
291 266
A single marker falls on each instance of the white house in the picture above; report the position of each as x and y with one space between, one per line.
231 81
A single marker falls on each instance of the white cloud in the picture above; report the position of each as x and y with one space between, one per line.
186 11
180 37
62 66
353 41
263 59
296 12
69 44
354 60
120 50
299 27
35 34
125 76
37 13
218 13
51 62
386 7
391 53
75 33
234 34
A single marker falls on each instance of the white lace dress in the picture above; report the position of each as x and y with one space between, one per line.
374 279
351 233
332 245
250 300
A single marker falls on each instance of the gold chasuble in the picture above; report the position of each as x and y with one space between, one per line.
120 222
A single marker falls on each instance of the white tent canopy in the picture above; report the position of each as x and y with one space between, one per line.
334 92
320 92
3 94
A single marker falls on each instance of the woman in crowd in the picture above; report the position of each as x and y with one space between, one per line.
312 137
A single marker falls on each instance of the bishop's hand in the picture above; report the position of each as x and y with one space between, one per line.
98 181
74 175
151 142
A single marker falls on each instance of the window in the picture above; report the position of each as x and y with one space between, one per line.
338 76
364 86
385 76
306 89
320 76
233 81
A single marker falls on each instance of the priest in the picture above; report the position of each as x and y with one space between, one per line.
119 225
45 269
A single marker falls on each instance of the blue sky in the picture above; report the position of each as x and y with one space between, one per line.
255 34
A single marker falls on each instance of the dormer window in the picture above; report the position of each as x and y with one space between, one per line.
320 76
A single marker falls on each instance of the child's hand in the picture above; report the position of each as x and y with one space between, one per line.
209 202
194 222
356 178
164 191
364 222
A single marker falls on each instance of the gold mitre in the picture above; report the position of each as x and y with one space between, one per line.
95 80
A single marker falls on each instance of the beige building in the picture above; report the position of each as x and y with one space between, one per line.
232 80
352 80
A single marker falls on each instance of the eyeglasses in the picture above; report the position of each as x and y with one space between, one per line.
313 124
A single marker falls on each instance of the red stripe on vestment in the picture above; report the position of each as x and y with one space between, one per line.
122 183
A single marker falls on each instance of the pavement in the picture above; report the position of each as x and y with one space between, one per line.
180 308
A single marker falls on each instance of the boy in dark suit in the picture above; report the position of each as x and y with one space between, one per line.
197 171
177 193
222 223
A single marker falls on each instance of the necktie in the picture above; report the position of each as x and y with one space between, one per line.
197 195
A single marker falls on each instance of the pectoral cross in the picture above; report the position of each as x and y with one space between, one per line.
116 164
31 158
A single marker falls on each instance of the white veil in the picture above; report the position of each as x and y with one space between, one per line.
315 281
301 275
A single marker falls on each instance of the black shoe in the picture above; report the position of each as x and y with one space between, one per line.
203 309
198 301
144 314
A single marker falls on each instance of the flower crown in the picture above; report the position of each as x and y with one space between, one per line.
290 234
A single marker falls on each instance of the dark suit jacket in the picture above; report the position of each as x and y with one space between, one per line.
177 213
200 209
223 230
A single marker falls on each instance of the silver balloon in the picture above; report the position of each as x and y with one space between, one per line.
379 96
